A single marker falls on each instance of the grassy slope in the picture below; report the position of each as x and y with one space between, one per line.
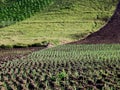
65 21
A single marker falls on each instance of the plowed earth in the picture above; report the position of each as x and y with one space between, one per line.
16 53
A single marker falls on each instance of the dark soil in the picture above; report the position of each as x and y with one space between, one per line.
16 53
110 33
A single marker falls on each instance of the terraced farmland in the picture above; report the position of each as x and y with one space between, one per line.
62 21
66 67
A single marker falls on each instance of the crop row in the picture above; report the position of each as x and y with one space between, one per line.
67 67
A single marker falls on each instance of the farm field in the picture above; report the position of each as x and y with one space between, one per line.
16 53
59 45
61 21
65 67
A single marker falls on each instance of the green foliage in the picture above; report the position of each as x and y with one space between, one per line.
6 46
62 75
17 10
103 16
14 11
20 45
42 44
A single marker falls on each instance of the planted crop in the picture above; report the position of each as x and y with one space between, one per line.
65 67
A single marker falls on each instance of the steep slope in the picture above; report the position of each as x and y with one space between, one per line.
110 33
63 21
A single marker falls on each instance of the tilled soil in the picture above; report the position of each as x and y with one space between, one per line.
101 76
16 53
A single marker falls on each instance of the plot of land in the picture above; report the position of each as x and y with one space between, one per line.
67 67
62 22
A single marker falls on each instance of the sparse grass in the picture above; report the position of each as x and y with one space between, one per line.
64 21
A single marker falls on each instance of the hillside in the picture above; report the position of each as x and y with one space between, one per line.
29 62
12 11
61 22
110 33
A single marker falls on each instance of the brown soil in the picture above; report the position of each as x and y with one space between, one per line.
16 53
110 33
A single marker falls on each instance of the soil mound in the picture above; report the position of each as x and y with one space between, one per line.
110 33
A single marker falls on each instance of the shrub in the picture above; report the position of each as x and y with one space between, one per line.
42 44
45 43
35 45
20 46
6 46
62 75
